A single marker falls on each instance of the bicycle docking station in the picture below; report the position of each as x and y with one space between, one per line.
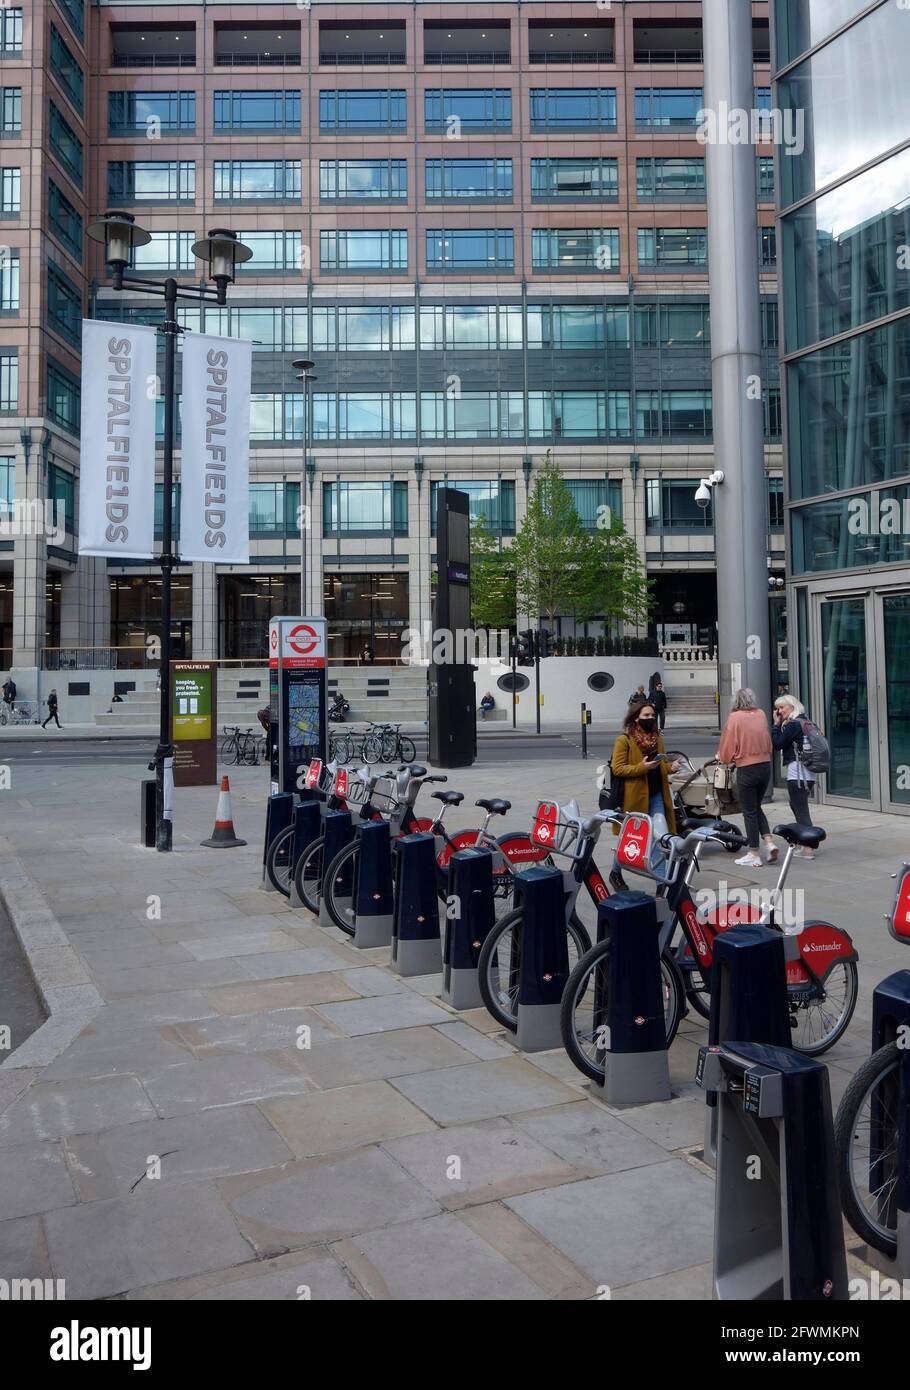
543 959
637 1064
471 899
778 1230
373 901
416 948
307 822
278 811
748 999
338 829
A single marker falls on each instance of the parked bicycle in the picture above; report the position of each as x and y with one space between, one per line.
872 1128
385 743
23 712
822 978
239 746
333 783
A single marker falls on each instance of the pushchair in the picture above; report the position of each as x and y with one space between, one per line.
696 800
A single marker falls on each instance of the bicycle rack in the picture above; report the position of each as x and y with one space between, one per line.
471 899
416 946
543 962
338 831
373 901
637 1069
307 828
278 811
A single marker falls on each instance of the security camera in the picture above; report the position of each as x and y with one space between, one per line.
703 495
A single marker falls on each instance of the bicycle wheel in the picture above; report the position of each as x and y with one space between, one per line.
407 750
371 752
308 875
583 1016
499 961
340 874
228 751
867 1144
248 751
278 864
816 1024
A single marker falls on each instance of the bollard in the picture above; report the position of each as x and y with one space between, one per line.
416 948
373 899
278 811
147 814
748 999
338 831
307 828
637 1063
543 959
469 918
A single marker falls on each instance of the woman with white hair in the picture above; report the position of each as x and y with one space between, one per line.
787 736
746 742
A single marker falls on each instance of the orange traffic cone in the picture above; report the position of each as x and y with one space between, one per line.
223 836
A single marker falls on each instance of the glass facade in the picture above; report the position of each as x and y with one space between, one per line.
257 180
363 180
573 108
151 181
355 112
456 110
257 110
148 113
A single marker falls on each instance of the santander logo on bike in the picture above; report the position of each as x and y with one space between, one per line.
312 774
634 842
545 823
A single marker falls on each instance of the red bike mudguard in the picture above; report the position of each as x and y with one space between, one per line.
823 945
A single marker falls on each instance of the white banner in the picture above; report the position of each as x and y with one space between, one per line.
215 449
117 458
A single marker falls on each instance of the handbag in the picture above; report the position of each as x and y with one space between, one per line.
722 777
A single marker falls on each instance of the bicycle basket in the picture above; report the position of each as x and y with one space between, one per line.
554 829
384 798
357 791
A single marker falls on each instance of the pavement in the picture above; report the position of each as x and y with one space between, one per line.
228 1101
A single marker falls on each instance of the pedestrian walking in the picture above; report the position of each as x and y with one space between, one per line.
658 697
787 736
51 703
9 692
638 696
639 762
746 742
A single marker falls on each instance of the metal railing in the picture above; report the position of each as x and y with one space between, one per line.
571 56
153 60
96 658
668 55
361 60
438 60
255 60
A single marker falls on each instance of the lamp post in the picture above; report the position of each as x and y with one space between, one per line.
304 369
222 251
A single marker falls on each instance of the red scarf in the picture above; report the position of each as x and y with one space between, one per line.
646 742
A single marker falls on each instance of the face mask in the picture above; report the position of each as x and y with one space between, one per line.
649 725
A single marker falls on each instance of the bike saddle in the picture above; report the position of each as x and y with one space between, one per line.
449 798
495 805
413 770
810 836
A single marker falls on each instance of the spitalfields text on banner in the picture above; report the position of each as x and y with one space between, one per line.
214 484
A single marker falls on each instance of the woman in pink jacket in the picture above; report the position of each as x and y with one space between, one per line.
746 741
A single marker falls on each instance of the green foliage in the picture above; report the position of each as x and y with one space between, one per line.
492 579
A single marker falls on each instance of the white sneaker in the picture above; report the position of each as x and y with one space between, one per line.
749 861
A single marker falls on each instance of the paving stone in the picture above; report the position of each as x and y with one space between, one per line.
50 1109
147 979
173 1006
480 1044
349 1060
101 1051
23 1250
321 1199
590 1137
48 1041
204 1144
314 1276
494 1160
322 988
225 1078
347 1118
482 1090
147 951
220 947
438 1259
370 981
272 1030
277 964
429 985
383 1013
14 1082
673 1124
33 1178
106 1248
627 1226
683 1286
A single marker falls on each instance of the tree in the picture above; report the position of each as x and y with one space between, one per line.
492 579
619 590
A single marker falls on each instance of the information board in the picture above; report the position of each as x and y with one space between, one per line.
194 720
297 695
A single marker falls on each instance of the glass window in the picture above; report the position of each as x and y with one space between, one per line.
379 328
276 416
573 108
362 180
590 495
273 180
472 415
667 108
66 69
10 191
764 173
846 697
61 490
271 251
65 142
64 305
671 506
10 110
7 482
761 97
457 110
578 327
850 96
367 111
9 281
586 249
363 250
150 112
63 396
491 499
166 251
10 32
75 13
846 259
152 180
849 413
673 325
364 415
662 414
257 110
468 178
869 528
670 180
9 380
772 412
574 180
470 250
63 220
365 509
671 247
273 508
775 504
896 618
769 323
767 247
801 24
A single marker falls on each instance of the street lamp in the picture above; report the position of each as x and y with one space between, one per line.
120 235
304 369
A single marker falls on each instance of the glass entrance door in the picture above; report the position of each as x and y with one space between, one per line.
894 696
845 698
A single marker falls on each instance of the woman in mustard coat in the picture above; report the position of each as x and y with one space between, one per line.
645 778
